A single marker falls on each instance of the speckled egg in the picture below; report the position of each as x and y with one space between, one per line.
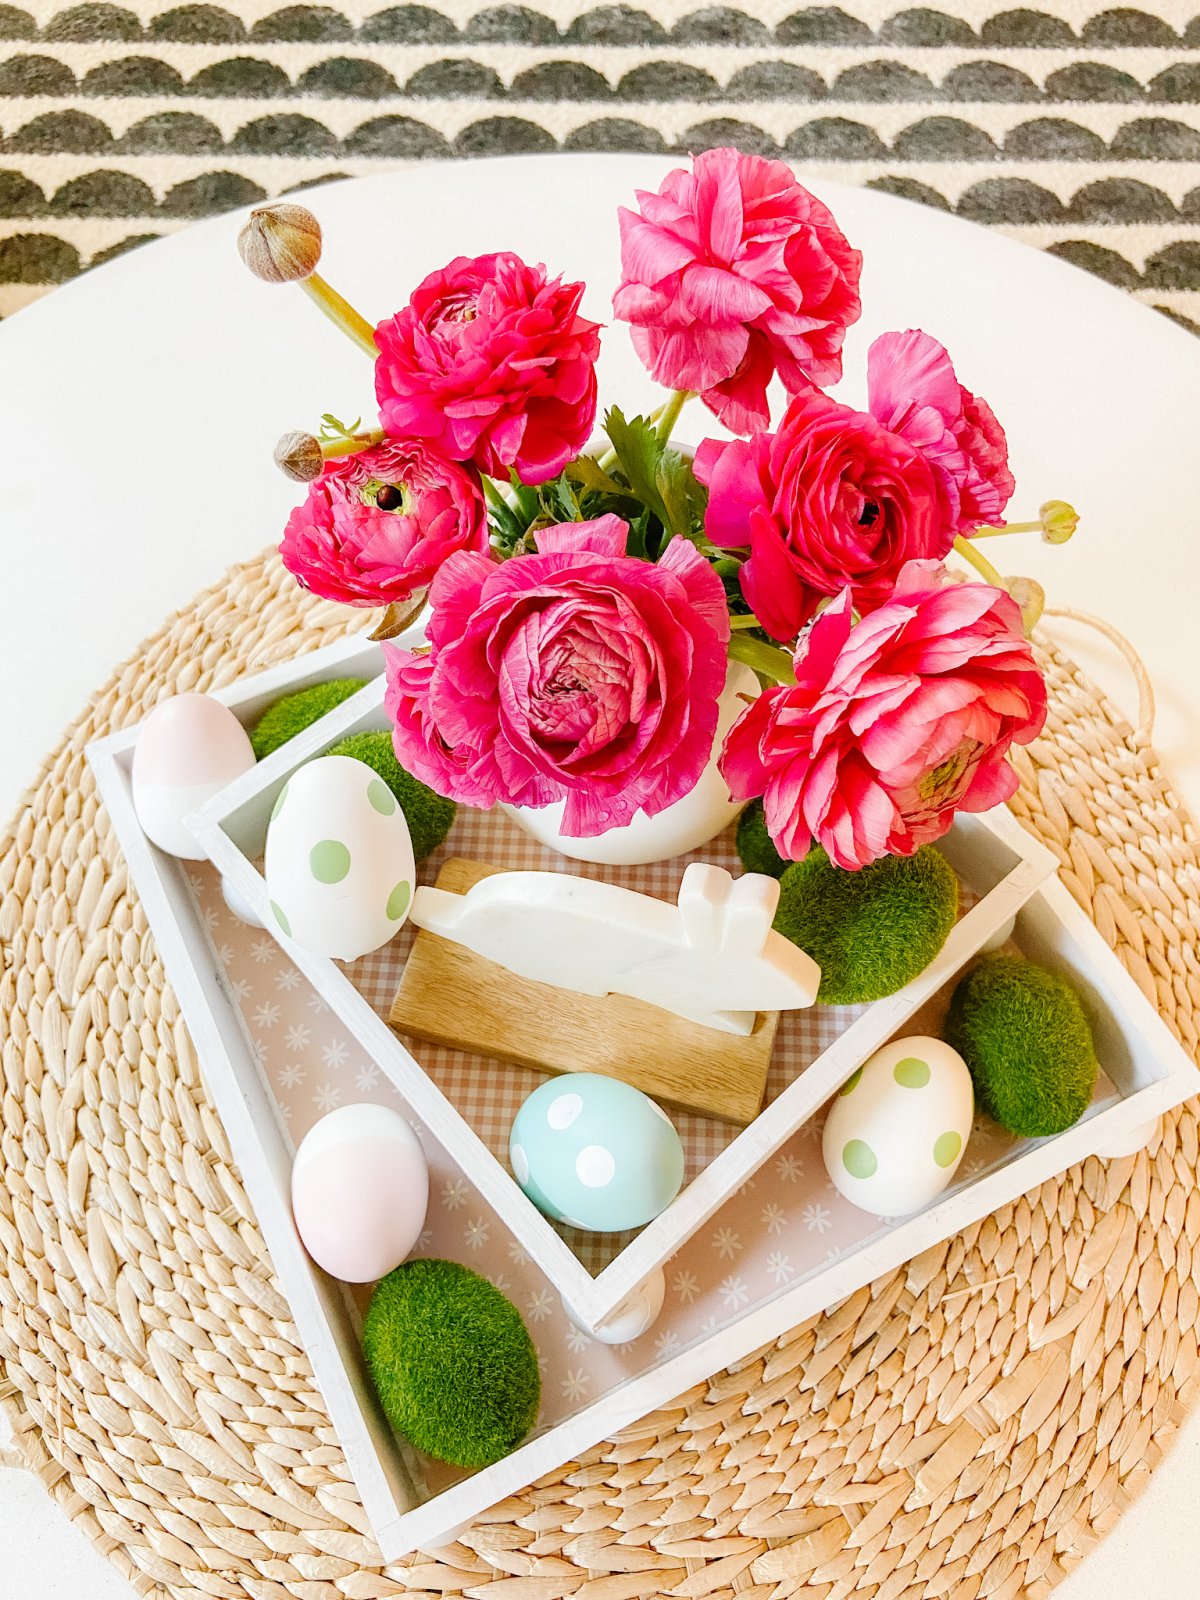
339 860
596 1153
895 1133
360 1189
189 747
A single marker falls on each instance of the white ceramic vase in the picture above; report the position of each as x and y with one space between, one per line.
684 826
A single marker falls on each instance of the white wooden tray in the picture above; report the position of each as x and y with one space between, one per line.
999 864
782 1246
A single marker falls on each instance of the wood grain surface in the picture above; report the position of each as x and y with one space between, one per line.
451 996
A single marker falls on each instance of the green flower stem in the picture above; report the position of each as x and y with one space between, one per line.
1009 527
351 445
669 414
766 659
980 562
341 313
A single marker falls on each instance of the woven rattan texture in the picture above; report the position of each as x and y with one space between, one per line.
964 1427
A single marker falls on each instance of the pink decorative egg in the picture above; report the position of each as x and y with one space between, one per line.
360 1188
189 747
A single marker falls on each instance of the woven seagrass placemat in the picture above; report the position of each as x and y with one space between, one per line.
965 1426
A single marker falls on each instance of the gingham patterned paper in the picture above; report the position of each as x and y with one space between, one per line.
489 1093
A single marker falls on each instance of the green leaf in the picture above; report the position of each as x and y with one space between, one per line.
683 496
333 429
639 454
586 470
507 528
559 502
660 477
526 496
638 543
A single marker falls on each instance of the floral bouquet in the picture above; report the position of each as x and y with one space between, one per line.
584 599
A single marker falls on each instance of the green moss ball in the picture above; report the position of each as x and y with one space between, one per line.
755 845
1025 1037
429 815
453 1362
295 712
869 931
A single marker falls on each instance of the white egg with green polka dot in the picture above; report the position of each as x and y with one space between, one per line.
896 1131
339 860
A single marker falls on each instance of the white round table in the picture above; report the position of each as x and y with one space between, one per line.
139 406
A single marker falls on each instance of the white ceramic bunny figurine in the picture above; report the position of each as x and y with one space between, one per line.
713 958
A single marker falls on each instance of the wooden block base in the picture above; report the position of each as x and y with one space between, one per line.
451 996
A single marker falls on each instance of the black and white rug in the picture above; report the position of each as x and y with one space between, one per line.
1073 127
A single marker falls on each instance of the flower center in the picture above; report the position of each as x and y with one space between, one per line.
564 711
457 309
941 785
869 514
388 496
565 682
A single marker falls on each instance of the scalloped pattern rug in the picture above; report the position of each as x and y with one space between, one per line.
1069 124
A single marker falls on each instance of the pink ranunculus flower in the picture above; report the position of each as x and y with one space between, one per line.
491 361
578 674
895 722
833 499
406 697
731 273
912 389
376 526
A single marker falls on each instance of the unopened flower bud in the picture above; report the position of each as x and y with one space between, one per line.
298 456
1031 597
281 243
1059 521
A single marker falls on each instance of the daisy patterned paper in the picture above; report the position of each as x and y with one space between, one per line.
785 1224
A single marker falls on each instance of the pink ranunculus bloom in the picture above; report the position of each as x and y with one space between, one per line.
578 674
895 722
912 389
833 499
491 361
426 755
731 273
375 527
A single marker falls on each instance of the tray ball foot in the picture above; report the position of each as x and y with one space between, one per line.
636 1314
1128 1144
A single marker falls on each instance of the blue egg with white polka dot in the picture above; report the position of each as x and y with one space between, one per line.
596 1153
